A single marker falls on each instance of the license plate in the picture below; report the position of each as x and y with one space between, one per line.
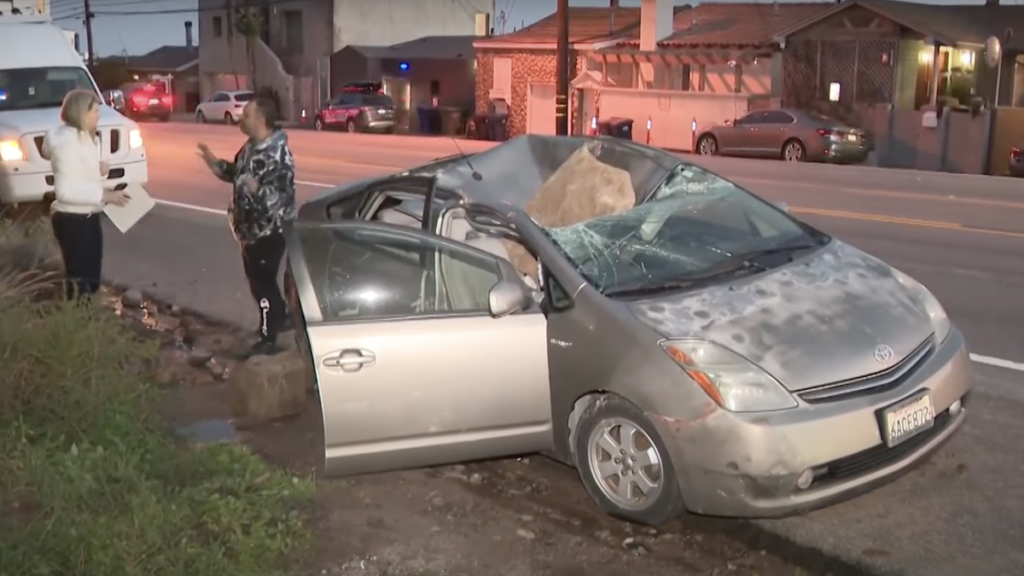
154 101
851 137
907 418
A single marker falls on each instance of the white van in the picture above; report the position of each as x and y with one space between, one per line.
38 66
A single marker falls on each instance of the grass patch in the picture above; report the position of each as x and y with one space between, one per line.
92 482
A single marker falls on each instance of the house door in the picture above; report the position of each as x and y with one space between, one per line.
541 109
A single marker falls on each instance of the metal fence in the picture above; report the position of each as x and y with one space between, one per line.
862 70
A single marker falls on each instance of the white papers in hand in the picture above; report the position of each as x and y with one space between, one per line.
124 217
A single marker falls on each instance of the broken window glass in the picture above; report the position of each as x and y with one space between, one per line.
695 221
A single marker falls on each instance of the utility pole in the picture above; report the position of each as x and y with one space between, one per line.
562 89
88 33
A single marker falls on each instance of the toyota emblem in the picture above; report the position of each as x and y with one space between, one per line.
883 354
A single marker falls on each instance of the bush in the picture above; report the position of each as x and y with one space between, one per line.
92 482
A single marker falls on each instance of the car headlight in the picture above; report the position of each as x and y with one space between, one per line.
10 151
731 380
134 138
940 320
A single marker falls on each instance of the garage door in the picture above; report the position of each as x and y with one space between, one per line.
541 113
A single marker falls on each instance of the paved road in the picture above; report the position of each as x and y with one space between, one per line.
963 236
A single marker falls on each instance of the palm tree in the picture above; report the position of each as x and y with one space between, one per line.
247 23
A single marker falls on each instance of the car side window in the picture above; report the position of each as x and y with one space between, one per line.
557 296
361 273
778 117
751 119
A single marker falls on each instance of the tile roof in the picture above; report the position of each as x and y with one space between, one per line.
428 47
737 23
969 23
165 58
586 24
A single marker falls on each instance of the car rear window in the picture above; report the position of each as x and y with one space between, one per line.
244 97
378 100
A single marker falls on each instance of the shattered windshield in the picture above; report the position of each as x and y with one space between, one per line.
695 222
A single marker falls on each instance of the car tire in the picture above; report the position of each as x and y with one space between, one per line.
351 127
707 145
318 124
228 118
165 118
605 416
200 117
793 151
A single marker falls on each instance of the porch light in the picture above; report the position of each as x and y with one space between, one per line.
925 56
967 59
833 91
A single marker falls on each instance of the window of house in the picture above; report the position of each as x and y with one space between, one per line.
293 31
218 26
682 77
622 74
737 72
702 81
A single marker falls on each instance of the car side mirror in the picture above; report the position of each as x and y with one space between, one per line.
784 206
507 298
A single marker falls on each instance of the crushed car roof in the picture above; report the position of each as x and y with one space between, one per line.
514 172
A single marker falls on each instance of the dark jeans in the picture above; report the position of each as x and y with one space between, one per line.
262 262
80 237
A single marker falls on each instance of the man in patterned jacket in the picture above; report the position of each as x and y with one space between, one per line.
263 175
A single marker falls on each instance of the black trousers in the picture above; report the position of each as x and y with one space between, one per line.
262 261
80 237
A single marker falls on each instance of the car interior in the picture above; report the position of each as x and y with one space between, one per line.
447 282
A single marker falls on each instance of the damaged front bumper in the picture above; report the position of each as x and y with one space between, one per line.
789 462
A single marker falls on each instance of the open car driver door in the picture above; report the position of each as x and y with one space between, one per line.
418 361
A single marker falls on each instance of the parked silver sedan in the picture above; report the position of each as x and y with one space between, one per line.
684 344
792 135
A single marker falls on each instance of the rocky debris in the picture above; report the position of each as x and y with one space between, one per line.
269 387
132 298
526 533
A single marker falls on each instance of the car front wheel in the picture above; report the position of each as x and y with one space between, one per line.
201 118
624 464
707 146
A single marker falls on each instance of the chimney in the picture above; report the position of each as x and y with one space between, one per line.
482 24
655 22
188 33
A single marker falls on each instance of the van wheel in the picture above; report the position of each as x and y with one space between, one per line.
623 463
201 118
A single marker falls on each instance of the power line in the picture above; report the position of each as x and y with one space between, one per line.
191 10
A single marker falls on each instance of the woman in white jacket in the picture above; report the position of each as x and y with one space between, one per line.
79 174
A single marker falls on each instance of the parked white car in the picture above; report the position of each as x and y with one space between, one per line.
224 106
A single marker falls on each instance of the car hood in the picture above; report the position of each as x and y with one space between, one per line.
812 322
18 122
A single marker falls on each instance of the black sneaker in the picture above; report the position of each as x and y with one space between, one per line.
286 326
261 348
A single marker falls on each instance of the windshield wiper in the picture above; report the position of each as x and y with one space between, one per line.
784 249
727 267
735 264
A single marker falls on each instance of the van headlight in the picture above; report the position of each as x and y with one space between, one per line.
940 320
134 138
10 151
732 381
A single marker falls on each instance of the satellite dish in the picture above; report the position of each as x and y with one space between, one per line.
993 51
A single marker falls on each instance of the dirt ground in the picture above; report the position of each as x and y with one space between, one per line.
527 516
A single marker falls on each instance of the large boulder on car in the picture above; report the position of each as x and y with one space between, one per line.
267 388
581 189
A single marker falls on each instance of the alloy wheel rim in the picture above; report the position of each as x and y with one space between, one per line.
707 147
625 463
793 153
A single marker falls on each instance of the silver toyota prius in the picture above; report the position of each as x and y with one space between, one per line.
684 344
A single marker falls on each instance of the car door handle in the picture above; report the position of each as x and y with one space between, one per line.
350 360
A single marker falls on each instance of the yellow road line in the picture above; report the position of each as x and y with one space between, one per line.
902 221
